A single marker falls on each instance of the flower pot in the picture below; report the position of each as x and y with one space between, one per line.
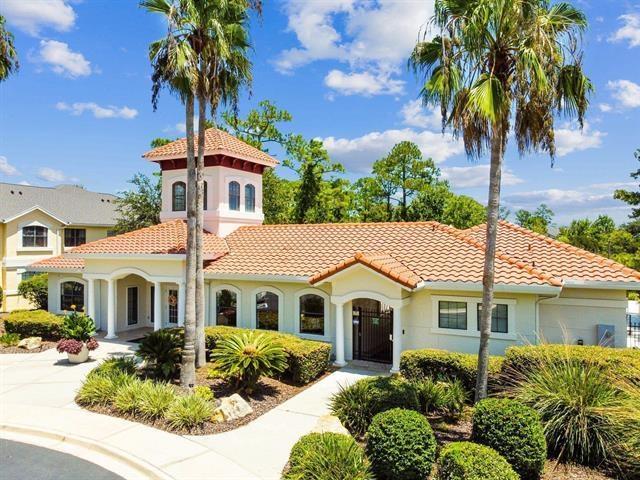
79 357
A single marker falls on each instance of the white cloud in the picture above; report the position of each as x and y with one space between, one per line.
477 176
24 182
605 107
63 60
6 168
625 92
371 37
415 114
570 138
51 175
110 111
363 83
358 154
30 16
588 201
630 30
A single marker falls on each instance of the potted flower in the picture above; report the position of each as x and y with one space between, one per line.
77 336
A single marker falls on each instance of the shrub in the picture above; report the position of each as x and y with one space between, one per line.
443 365
35 289
188 412
162 352
328 456
101 388
77 326
34 323
514 431
116 365
401 445
357 404
156 400
306 359
590 413
471 461
9 339
129 396
622 362
203 392
439 397
249 356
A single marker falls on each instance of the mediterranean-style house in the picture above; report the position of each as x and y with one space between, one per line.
41 222
371 289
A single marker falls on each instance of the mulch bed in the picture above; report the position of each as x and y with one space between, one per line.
459 430
269 394
46 345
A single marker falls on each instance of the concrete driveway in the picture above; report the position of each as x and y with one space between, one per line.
37 397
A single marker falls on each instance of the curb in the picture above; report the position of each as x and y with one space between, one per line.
141 467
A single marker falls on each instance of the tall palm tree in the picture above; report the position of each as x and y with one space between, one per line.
497 67
8 55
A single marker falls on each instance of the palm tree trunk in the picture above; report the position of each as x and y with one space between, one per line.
493 210
201 359
188 371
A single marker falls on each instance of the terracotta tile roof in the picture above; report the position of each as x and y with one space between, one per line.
556 258
164 238
380 262
61 262
216 142
431 251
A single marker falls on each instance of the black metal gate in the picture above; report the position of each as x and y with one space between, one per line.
372 334
633 331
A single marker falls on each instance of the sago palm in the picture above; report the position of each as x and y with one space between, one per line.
500 67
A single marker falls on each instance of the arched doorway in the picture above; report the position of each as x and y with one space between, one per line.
372 330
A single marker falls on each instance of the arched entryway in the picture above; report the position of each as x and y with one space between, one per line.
372 323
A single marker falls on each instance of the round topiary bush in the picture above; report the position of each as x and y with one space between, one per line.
401 445
327 456
514 431
472 461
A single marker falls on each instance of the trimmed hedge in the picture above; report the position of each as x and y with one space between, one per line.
624 362
306 359
444 365
34 323
514 431
401 445
471 461
327 456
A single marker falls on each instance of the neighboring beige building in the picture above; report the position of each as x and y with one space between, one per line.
41 222
370 289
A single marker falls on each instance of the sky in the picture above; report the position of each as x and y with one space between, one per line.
79 109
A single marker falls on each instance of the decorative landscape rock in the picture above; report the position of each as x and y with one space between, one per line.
232 408
329 424
30 343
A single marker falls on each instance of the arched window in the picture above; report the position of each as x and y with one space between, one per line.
234 196
226 308
179 197
267 310
249 198
312 314
205 195
71 294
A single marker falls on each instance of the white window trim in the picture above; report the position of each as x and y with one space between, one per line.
137 324
244 200
267 288
327 316
472 317
228 180
213 320
71 279
23 248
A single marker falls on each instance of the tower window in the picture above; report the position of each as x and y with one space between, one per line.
179 197
249 198
234 196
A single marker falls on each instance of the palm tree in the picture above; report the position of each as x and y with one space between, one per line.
498 67
8 55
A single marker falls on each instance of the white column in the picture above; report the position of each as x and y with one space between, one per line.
157 305
182 294
111 309
340 335
397 339
91 299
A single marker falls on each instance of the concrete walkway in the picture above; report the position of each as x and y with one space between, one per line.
37 392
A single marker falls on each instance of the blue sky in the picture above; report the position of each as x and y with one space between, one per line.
79 109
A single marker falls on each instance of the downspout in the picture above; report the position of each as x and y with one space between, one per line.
537 313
